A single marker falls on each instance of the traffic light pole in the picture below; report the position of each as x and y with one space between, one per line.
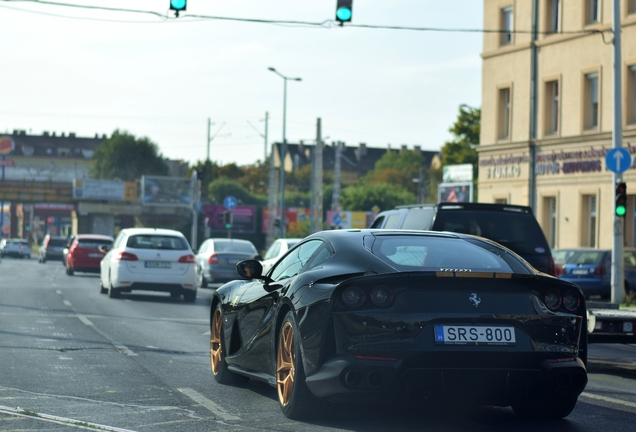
618 292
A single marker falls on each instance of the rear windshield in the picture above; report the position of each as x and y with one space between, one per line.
233 246
422 253
586 257
93 243
157 242
57 242
518 231
17 242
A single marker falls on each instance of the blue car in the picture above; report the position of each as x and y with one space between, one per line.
591 270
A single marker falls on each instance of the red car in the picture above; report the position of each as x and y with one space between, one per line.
84 254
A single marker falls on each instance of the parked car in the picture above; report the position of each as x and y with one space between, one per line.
510 225
84 253
217 259
560 256
15 247
52 248
399 317
276 251
149 259
591 270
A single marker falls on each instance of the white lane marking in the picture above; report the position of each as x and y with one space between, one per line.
58 292
79 424
609 399
85 320
67 303
207 403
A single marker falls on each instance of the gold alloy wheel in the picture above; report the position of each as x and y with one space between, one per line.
285 364
215 341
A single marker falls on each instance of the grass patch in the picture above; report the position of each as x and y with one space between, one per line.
29 413
630 299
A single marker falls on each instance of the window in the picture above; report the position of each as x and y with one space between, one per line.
631 94
504 113
631 6
589 221
553 18
591 101
592 11
552 108
292 263
506 25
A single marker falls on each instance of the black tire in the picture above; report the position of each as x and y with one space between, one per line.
550 410
102 290
113 292
219 367
175 295
190 296
70 271
203 282
296 402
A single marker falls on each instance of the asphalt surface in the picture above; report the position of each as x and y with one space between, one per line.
71 358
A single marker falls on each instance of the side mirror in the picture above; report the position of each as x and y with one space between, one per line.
251 269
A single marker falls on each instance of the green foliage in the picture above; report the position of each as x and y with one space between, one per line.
220 188
465 130
297 199
128 158
365 197
397 169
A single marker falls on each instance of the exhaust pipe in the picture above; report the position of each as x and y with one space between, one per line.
375 379
352 378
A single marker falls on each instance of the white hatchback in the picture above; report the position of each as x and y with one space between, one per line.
149 259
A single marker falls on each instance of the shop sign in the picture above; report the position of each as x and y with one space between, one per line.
503 167
107 190
571 162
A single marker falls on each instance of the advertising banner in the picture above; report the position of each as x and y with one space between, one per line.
106 190
455 192
296 218
167 191
457 173
349 219
243 218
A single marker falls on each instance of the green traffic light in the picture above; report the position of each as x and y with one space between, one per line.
343 14
178 4
621 210
228 226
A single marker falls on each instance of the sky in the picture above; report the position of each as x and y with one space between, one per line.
91 72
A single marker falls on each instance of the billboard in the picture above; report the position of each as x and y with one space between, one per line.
455 192
296 219
106 190
167 191
243 218
457 173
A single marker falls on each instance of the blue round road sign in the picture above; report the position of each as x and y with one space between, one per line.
337 219
229 202
618 160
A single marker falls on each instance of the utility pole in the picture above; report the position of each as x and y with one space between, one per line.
335 198
271 200
266 126
210 138
195 208
618 292
316 183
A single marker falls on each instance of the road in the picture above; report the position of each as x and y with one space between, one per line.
72 358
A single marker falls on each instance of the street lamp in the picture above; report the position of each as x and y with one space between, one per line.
283 150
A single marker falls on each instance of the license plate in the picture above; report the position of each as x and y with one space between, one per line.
579 271
474 335
95 255
158 264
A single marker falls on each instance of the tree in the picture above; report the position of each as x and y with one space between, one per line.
465 130
397 169
383 195
223 187
127 158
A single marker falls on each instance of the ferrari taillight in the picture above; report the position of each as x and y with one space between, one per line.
187 259
213 259
355 296
125 256
569 300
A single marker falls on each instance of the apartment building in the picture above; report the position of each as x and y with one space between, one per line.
547 113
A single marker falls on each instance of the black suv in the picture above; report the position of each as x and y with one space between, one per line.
510 225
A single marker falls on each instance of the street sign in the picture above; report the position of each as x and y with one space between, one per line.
337 219
7 162
7 145
229 202
618 160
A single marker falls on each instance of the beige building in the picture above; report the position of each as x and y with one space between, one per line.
559 124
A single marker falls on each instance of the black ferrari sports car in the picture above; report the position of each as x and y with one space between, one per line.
355 316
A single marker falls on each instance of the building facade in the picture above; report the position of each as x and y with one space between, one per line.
547 107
